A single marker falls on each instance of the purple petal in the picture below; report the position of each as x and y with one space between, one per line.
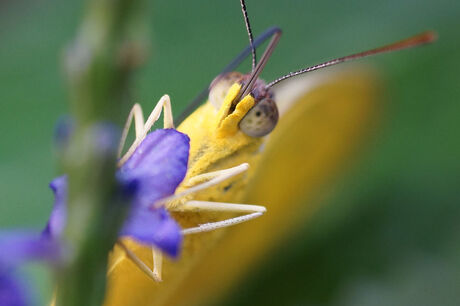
58 216
19 246
158 165
153 172
12 291
154 228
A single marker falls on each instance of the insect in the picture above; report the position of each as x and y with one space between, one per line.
234 137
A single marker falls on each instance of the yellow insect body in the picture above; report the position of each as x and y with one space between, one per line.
310 141
216 144
215 139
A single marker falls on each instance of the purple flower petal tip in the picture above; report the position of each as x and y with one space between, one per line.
12 291
58 216
19 246
154 228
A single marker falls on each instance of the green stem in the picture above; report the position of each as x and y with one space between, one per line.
110 44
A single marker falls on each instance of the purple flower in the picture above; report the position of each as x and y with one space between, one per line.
154 228
158 165
20 246
156 169
17 247
12 291
57 220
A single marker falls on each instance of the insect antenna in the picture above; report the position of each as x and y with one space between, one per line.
191 106
414 41
246 89
248 28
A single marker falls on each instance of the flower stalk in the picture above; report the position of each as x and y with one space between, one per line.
110 44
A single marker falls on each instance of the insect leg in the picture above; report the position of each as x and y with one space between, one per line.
192 206
211 179
207 227
157 264
135 112
221 174
253 211
138 262
165 104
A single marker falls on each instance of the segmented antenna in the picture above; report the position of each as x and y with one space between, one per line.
417 40
248 28
230 67
246 89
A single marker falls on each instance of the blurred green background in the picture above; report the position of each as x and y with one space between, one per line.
390 232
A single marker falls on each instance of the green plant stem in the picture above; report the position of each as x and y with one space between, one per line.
110 44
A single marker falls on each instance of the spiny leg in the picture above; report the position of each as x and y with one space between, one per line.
201 182
198 206
135 112
138 262
207 227
208 176
211 179
157 264
168 122
156 274
253 211
143 128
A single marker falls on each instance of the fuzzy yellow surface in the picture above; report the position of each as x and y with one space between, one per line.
307 147
215 141
311 143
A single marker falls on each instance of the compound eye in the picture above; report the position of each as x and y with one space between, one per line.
261 119
220 86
